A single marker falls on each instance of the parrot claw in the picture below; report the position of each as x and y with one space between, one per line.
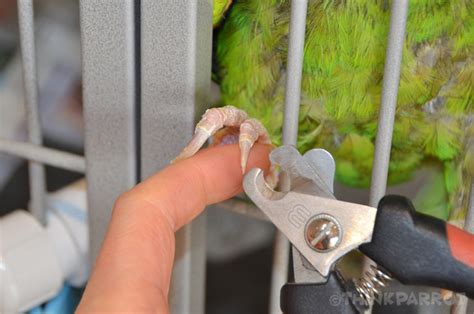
251 131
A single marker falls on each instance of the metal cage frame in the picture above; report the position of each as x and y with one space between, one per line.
146 80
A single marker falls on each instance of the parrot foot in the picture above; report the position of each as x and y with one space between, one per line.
226 125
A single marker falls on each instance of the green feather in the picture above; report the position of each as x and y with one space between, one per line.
218 10
342 81
432 197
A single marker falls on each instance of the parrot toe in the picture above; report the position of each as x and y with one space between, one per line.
222 124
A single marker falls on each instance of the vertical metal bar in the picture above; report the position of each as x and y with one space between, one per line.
391 80
281 253
28 55
176 54
461 301
469 222
109 91
294 72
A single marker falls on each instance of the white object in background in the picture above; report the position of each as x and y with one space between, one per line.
68 231
30 272
35 261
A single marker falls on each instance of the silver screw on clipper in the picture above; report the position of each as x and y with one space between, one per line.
323 233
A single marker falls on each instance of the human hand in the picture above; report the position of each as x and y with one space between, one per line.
133 269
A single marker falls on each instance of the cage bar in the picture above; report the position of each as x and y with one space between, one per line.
37 176
294 73
281 254
390 85
176 49
469 227
461 303
391 81
109 96
469 222
43 155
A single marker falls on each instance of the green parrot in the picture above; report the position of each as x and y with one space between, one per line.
341 86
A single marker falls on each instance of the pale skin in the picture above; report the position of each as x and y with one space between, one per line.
251 131
133 269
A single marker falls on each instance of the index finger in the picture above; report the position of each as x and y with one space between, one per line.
133 269
211 176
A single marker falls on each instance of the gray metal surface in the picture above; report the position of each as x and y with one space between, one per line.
294 70
37 177
469 223
188 285
313 174
176 48
291 211
391 80
109 91
44 155
290 135
281 253
469 226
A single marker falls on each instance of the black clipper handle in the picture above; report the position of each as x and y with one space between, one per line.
421 250
331 297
